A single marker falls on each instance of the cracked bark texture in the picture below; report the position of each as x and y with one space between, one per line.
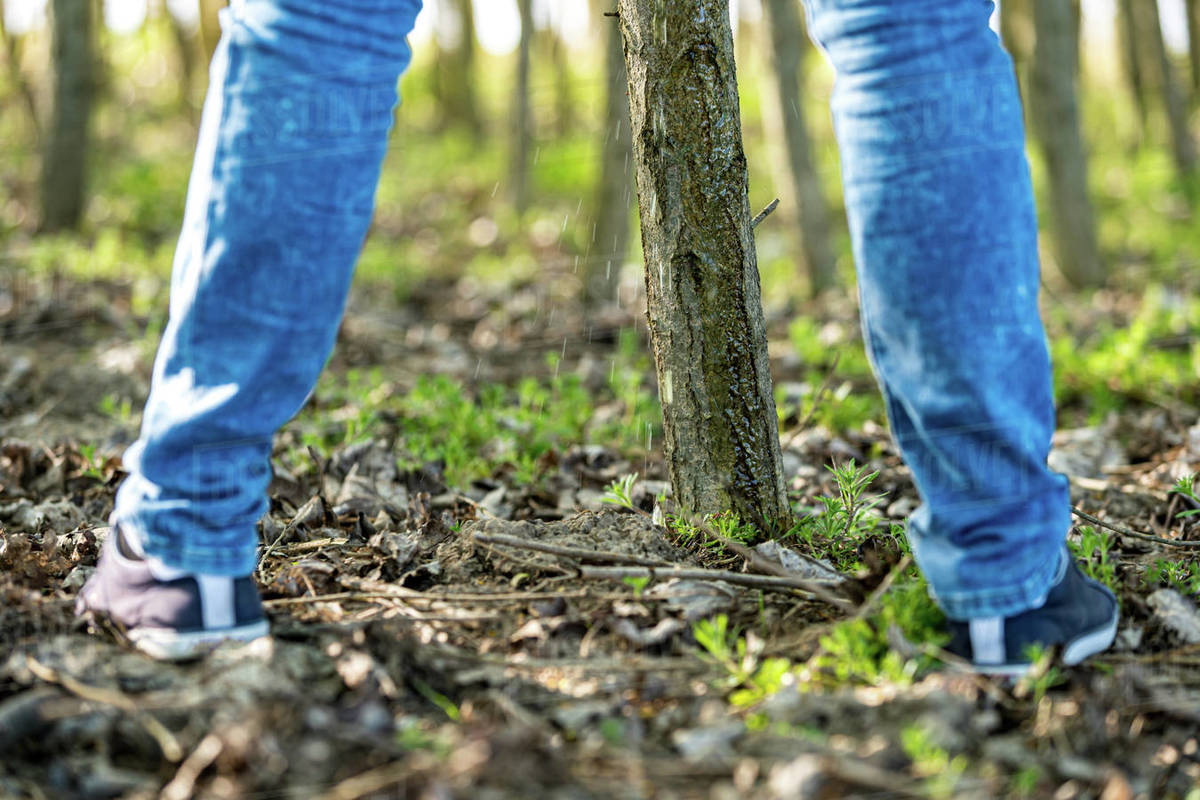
703 299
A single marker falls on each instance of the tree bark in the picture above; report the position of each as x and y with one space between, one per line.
1055 115
610 240
801 182
1149 25
64 160
704 305
522 126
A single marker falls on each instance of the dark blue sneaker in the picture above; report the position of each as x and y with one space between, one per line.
1079 614
166 613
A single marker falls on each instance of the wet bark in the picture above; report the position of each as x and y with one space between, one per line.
1055 113
610 241
801 184
704 305
64 159
522 126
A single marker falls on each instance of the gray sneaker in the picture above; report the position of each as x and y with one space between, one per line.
1079 614
168 614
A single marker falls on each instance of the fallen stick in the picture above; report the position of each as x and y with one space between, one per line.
1134 534
167 742
581 553
696 574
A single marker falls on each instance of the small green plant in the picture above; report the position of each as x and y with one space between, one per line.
620 491
638 584
438 699
845 520
1024 781
857 650
1093 551
749 678
1179 575
1186 487
93 465
931 762
1042 676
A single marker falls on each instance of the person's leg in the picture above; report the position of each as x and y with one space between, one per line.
944 234
294 131
291 142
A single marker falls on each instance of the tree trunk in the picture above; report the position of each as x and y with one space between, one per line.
702 286
564 101
522 126
13 47
1056 125
1193 26
1132 58
1182 146
64 159
1016 31
455 69
610 240
788 44
210 26
185 45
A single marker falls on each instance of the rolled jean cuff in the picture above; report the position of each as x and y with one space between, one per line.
1005 601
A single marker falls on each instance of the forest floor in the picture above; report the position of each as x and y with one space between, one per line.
485 626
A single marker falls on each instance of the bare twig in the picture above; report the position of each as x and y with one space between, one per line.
1134 534
181 786
697 574
579 553
802 425
767 567
766 212
167 742
869 604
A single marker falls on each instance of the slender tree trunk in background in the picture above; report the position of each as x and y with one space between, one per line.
564 101
522 125
455 83
64 159
1016 31
1193 26
788 45
210 26
1182 146
1055 114
702 285
13 47
185 45
1131 60
610 241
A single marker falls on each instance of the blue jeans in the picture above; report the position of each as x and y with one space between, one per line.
294 131
941 215
944 234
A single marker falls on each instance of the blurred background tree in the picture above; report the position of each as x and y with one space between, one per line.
509 171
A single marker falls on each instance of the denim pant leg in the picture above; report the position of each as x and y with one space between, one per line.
944 234
292 137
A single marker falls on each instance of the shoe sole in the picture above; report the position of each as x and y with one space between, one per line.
165 644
